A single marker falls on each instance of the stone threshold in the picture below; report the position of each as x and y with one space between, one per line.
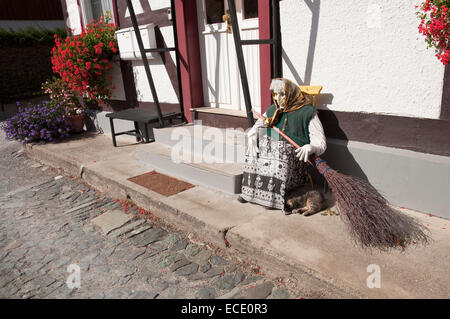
221 111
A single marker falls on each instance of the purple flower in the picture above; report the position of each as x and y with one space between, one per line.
37 123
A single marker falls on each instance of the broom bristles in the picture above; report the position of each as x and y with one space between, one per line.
371 222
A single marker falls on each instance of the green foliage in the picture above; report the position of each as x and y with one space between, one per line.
29 37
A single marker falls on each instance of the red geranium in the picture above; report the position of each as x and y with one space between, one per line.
83 60
435 26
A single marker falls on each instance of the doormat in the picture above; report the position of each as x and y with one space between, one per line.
160 183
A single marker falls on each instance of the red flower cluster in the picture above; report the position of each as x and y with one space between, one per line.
82 60
435 26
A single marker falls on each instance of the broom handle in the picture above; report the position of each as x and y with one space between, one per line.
281 133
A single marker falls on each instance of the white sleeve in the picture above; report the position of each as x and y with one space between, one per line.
258 124
317 136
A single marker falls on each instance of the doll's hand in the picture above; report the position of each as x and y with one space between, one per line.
252 146
304 152
252 138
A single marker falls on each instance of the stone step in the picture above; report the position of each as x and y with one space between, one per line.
225 177
222 145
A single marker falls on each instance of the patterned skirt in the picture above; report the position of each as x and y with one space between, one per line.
270 176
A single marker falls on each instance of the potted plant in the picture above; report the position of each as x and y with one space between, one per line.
75 116
83 60
435 26
60 93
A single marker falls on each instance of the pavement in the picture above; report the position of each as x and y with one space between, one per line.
55 227
296 246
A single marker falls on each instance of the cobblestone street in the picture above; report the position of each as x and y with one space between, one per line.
224 157
46 225
49 221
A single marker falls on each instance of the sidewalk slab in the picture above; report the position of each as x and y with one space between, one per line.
317 245
322 245
111 220
207 212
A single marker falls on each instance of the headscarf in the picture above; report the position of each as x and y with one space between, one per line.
294 99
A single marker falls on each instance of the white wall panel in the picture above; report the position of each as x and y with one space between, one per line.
137 6
159 4
73 20
164 88
119 92
367 54
167 33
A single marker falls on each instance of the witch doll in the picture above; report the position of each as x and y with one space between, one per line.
277 167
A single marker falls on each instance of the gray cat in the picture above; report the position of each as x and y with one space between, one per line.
306 201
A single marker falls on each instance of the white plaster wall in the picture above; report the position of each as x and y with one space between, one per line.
367 54
73 20
167 33
159 4
163 85
118 93
137 6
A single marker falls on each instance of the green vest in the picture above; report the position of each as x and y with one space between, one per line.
296 126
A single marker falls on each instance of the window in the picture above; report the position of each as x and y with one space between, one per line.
214 11
250 9
94 9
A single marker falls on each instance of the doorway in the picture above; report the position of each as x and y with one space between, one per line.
220 72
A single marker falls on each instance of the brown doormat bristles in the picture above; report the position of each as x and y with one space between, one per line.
160 183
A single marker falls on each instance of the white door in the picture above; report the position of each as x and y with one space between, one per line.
220 73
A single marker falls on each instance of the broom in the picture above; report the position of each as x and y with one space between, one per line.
372 223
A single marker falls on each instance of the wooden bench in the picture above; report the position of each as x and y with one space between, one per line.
143 116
